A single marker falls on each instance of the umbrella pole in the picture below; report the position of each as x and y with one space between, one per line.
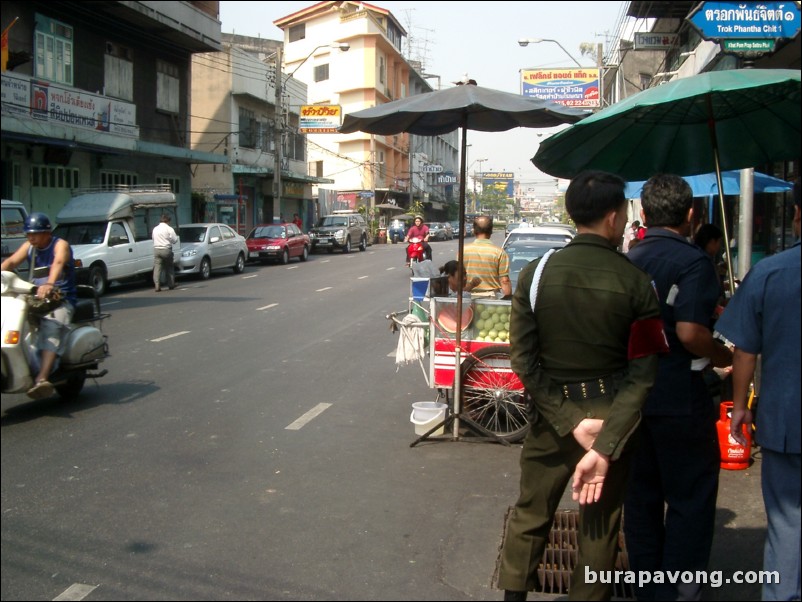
456 416
460 256
711 125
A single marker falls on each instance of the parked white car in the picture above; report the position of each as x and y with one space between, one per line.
207 247
540 232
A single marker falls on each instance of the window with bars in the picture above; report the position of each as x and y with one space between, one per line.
175 183
248 129
53 50
55 176
167 87
109 180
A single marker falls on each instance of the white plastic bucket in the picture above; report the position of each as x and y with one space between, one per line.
425 415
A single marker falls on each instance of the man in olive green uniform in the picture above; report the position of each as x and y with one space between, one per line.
587 354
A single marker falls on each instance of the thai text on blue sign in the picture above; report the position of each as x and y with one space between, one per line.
716 20
578 87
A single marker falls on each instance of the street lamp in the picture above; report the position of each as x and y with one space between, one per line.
526 41
342 46
279 104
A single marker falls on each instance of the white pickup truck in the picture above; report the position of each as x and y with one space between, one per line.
110 232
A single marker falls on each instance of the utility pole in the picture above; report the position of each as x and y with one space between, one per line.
600 65
279 134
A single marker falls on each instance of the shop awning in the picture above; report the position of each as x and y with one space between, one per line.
256 170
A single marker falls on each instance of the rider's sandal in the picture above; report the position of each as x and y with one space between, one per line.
41 390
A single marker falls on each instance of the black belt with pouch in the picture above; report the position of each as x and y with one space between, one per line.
589 389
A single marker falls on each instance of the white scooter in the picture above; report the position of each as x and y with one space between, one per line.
85 347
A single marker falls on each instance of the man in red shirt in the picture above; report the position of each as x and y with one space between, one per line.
297 221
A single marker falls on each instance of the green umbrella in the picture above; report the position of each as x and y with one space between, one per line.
709 122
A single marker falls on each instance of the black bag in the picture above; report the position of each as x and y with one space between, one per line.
38 308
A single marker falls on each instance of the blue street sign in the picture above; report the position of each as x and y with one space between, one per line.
750 20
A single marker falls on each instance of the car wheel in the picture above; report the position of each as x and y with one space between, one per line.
98 279
205 268
363 244
239 266
305 254
285 257
347 246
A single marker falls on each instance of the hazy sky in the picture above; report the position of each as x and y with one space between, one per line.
479 39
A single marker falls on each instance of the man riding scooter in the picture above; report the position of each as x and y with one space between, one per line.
419 231
53 271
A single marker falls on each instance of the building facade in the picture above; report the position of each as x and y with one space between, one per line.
240 112
97 94
367 169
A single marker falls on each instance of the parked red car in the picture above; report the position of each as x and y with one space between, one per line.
277 242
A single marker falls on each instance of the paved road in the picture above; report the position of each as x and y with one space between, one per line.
251 442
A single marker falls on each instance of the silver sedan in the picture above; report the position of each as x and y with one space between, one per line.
207 247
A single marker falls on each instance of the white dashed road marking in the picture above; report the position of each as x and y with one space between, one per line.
308 417
170 336
266 306
77 591
320 290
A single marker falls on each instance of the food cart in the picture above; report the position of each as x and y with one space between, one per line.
492 395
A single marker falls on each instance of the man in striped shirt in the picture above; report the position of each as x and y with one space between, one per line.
486 261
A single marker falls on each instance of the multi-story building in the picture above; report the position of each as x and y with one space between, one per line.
97 94
367 169
239 111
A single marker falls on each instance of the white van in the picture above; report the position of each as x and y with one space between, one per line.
110 232
13 229
13 232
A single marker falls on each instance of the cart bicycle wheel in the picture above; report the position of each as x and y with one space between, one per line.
493 395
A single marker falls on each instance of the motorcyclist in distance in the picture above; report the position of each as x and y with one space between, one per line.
53 268
420 230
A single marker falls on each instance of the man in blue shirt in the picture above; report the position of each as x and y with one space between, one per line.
763 318
670 507
54 268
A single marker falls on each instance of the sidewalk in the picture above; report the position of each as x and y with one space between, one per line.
737 545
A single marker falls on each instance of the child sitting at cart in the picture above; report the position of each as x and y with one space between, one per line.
451 269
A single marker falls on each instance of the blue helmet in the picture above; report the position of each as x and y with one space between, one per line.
37 222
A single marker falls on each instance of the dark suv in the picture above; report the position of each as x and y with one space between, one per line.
340 231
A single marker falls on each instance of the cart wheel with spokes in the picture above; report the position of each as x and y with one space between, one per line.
493 395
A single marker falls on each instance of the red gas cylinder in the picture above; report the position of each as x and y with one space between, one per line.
734 456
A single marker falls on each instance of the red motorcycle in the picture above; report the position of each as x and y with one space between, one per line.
415 251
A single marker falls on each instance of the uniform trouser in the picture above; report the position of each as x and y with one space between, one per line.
670 509
163 261
781 497
547 465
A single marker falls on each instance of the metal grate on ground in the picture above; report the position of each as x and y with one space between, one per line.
560 556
